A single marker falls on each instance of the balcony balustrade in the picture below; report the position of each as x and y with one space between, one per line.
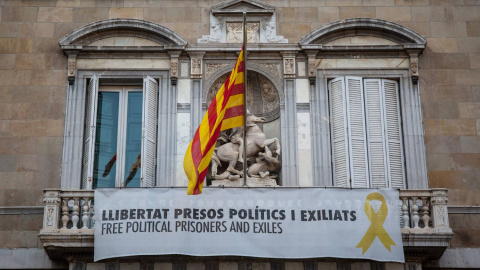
69 220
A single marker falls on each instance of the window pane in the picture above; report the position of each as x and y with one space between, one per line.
134 139
106 140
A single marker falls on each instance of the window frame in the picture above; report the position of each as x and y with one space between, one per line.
75 113
410 114
368 143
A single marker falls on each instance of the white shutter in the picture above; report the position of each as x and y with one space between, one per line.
90 123
376 132
393 134
149 132
356 131
341 172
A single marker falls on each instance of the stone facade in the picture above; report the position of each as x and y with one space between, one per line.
35 76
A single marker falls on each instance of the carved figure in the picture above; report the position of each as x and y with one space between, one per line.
270 31
266 165
230 152
215 34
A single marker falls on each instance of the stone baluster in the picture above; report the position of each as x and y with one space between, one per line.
425 216
85 213
75 213
65 210
51 210
439 211
414 210
92 213
405 217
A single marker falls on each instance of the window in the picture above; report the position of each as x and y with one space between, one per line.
120 130
366 132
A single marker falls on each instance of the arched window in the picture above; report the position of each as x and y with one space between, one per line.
363 74
120 73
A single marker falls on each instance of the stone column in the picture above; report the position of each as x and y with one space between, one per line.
288 119
167 122
319 111
196 73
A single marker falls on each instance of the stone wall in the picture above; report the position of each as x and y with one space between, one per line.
33 81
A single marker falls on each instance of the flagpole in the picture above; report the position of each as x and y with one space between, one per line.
245 158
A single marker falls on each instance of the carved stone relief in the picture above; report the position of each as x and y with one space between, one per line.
215 34
271 33
235 32
289 67
226 24
174 67
196 68
262 96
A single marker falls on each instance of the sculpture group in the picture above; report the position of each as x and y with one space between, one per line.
263 155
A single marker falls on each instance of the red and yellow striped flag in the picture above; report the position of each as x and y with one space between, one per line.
225 112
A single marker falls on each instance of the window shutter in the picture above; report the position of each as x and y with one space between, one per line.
90 123
149 135
339 132
356 131
375 131
393 133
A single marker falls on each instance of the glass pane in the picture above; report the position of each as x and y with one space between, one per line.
134 139
106 140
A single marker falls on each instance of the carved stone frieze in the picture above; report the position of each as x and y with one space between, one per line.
210 68
274 68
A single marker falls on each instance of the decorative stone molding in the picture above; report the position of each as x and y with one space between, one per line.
366 26
102 29
226 23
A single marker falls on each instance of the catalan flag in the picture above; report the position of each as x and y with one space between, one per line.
225 112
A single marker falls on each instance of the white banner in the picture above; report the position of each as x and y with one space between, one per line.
257 222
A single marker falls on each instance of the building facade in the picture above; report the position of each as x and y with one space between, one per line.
358 94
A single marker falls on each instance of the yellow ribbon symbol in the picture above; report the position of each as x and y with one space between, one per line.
376 227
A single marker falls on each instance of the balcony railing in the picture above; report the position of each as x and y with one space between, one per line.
68 222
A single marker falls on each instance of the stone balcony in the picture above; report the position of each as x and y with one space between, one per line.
68 224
